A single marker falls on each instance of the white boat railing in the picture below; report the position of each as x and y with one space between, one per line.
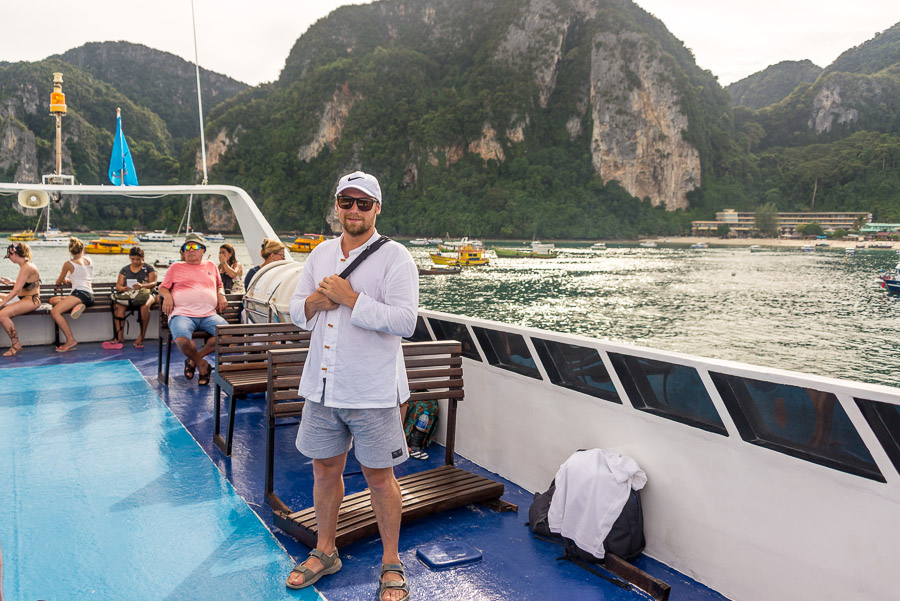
252 223
793 474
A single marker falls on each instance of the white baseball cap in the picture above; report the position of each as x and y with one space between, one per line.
361 181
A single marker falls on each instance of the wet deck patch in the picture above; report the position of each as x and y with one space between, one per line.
105 495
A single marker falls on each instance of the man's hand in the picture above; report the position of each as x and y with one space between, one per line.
316 302
338 290
167 305
223 303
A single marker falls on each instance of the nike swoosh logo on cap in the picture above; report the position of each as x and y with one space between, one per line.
350 179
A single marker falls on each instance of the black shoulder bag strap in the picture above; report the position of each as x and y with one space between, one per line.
363 256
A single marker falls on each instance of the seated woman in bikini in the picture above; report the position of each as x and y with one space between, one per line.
80 272
26 286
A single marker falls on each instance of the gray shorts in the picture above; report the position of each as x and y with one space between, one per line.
377 434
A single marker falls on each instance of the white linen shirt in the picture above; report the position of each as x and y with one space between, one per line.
592 488
355 359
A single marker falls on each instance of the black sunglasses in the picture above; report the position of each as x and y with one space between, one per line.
363 204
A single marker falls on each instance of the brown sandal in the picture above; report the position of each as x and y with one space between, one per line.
402 584
189 369
331 564
203 378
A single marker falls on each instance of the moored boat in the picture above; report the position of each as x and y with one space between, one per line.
454 245
215 238
419 242
890 281
23 236
307 242
598 246
439 270
698 245
647 244
522 253
50 241
463 257
109 246
156 236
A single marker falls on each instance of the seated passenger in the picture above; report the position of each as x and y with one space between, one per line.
271 251
230 270
26 286
137 275
191 292
80 272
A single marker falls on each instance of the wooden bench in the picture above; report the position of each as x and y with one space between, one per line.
242 365
102 300
434 371
232 315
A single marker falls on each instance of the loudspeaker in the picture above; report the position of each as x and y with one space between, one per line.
34 199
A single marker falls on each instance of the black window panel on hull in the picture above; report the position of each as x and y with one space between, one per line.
421 332
448 330
669 390
576 367
884 420
798 421
507 350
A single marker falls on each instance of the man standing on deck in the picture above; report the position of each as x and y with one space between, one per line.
191 292
354 378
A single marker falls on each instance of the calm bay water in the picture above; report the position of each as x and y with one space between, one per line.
819 313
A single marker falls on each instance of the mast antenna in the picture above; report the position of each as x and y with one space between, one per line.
199 99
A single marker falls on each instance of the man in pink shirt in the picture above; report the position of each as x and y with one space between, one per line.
191 292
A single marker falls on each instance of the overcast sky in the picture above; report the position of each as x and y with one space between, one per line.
249 40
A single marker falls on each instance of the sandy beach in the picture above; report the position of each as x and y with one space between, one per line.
775 242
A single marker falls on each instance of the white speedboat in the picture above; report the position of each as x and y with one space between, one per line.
419 242
215 238
156 236
647 244
598 246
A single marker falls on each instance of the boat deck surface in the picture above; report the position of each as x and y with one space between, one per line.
211 542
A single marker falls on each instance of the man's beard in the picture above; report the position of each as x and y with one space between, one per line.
355 228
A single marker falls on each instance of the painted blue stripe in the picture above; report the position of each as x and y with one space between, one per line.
105 495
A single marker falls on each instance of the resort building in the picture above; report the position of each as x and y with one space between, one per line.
744 223
871 229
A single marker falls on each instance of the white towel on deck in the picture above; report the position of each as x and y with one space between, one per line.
592 487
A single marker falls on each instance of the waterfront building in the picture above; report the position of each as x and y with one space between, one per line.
743 223
871 229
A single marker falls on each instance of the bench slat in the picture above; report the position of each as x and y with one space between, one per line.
423 494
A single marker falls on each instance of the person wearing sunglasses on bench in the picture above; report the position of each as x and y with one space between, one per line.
354 378
191 292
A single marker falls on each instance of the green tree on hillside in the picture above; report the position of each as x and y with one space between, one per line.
766 220
810 229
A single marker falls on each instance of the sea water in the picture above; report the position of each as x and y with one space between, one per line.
820 313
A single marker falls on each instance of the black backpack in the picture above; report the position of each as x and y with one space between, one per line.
625 539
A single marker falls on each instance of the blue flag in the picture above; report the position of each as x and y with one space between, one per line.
121 167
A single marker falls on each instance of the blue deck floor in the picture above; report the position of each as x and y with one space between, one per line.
514 566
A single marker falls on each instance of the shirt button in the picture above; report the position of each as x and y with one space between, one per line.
324 369
331 325
326 346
